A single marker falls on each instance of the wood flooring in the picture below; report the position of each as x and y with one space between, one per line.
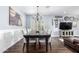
57 47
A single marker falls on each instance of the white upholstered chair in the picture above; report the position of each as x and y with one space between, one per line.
31 39
50 40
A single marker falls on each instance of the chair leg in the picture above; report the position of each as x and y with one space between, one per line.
35 45
39 45
50 46
24 46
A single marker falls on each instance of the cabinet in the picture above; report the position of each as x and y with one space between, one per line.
66 33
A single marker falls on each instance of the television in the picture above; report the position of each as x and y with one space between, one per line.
65 25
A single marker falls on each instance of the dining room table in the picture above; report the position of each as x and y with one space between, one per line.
39 35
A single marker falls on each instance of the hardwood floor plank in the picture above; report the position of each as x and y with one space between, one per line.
57 47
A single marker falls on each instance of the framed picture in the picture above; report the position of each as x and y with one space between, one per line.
56 23
14 18
52 22
74 24
66 18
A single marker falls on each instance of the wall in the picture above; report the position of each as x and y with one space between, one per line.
48 22
9 35
28 21
76 29
55 31
4 16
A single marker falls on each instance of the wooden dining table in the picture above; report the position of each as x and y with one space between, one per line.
37 35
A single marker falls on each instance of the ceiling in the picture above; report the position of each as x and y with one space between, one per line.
50 10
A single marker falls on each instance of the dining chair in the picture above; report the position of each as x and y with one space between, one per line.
25 32
43 41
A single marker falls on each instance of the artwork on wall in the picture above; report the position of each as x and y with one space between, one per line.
66 18
74 24
14 18
56 23
58 16
70 18
52 22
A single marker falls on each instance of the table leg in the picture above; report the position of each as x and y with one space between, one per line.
46 44
27 44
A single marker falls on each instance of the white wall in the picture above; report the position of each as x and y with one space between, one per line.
4 19
9 35
76 29
4 16
48 23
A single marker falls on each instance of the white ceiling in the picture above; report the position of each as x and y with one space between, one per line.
50 10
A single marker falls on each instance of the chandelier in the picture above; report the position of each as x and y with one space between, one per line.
37 15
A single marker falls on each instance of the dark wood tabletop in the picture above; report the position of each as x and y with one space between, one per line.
37 35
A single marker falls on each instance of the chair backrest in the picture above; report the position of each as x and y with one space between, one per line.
28 30
49 31
24 31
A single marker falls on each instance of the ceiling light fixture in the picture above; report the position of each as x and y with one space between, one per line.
37 13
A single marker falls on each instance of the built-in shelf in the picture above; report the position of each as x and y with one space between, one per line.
66 33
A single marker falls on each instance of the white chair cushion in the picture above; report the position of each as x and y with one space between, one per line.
43 40
26 32
31 41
